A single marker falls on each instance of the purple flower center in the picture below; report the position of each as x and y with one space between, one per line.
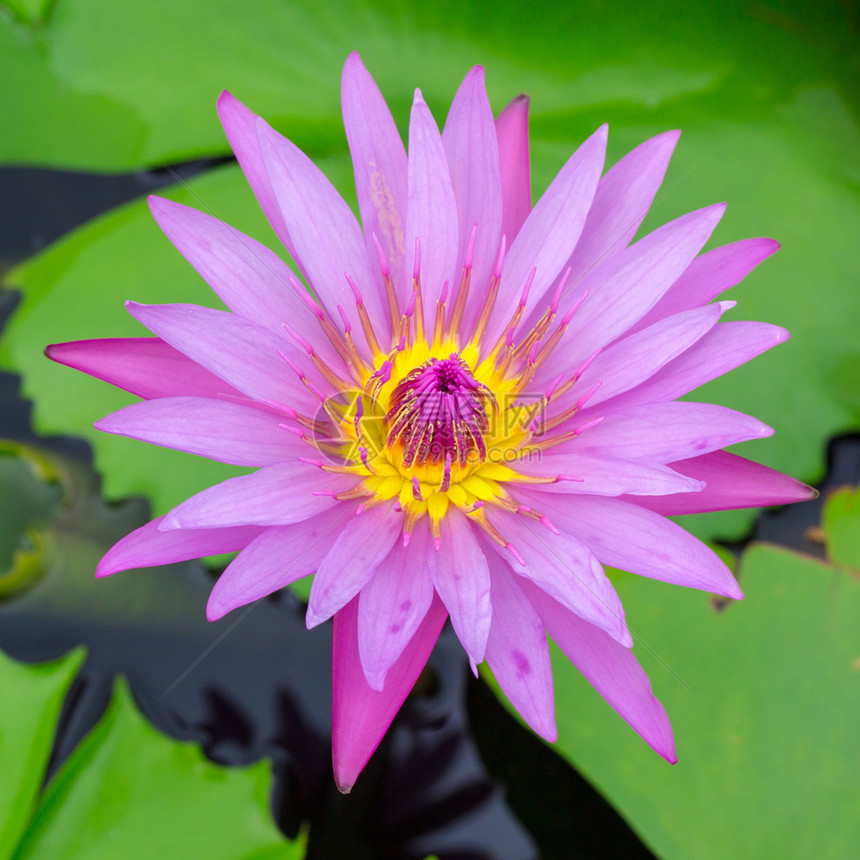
438 413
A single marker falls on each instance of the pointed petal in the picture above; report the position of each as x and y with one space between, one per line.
732 482
462 578
431 215
622 289
219 430
240 126
512 128
472 150
518 655
242 353
149 547
611 669
279 556
726 346
665 432
361 716
622 200
712 274
604 475
565 568
251 280
277 495
328 241
392 606
146 366
632 538
362 544
550 233
631 361
379 161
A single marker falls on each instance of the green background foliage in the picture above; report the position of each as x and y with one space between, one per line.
763 694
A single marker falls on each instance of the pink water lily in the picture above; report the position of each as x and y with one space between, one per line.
473 411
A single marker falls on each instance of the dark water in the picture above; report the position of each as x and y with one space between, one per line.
456 775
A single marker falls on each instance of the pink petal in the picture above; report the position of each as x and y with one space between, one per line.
146 366
512 128
665 432
472 150
611 669
604 475
277 495
632 538
239 351
732 482
565 568
725 347
518 655
150 547
216 429
550 233
431 215
361 716
251 280
279 556
631 361
711 274
379 161
362 544
622 289
392 606
622 200
462 578
328 241
240 126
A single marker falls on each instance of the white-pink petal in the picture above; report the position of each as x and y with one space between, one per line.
604 475
249 278
622 200
565 568
393 604
512 129
462 578
712 274
611 669
240 126
550 233
150 547
277 495
360 715
328 240
518 654
630 537
664 432
279 556
379 162
364 541
623 288
472 150
243 354
222 431
431 212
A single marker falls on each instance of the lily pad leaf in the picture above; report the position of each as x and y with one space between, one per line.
32 699
127 791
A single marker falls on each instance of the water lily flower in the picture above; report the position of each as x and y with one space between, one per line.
471 410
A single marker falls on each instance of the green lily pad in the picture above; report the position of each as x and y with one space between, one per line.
32 698
763 696
841 523
129 792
